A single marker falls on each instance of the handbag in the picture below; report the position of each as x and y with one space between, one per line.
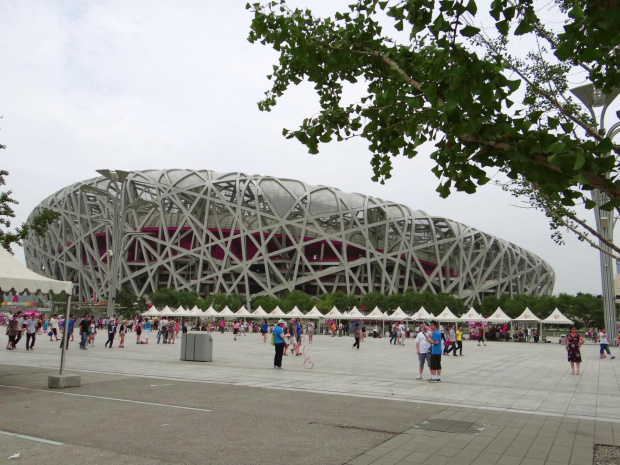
50 334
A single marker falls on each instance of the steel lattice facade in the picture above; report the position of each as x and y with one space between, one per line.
257 235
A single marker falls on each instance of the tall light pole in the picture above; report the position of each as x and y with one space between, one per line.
593 98
116 223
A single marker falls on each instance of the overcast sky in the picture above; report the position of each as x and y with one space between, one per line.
160 85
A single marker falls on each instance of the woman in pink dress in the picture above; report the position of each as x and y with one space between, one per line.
573 342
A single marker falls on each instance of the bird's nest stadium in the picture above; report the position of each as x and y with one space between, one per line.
232 233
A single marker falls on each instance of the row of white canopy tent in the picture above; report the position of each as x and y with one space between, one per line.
471 316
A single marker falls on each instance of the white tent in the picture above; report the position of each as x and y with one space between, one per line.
277 313
399 315
355 314
259 313
167 311
226 313
195 311
334 313
499 317
313 314
210 313
446 315
421 314
180 311
472 315
376 314
150 312
242 312
15 277
295 313
527 315
557 318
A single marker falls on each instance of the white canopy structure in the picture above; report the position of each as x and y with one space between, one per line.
195 311
557 318
334 313
314 314
243 312
151 312
259 313
421 314
277 313
499 317
166 311
15 277
527 315
210 313
376 314
472 315
295 313
355 314
226 313
399 315
446 315
180 311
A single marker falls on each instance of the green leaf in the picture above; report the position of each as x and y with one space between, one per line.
399 25
502 27
472 7
580 161
523 28
556 147
469 31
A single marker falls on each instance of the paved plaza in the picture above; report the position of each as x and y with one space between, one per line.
507 403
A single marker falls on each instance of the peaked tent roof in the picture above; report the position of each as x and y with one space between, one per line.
276 312
499 316
259 312
472 315
527 315
376 314
195 311
295 313
557 318
151 312
446 315
421 314
167 311
242 312
355 314
210 312
180 311
226 313
17 278
399 315
334 313
314 313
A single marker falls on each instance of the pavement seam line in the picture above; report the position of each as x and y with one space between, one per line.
107 398
32 438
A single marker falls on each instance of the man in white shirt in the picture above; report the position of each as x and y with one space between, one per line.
422 348
403 334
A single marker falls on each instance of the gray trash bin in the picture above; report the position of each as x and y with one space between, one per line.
196 347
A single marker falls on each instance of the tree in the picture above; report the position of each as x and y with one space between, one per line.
441 76
129 304
298 299
165 296
38 225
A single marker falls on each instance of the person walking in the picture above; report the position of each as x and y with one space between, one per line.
310 329
436 351
235 329
357 333
278 337
573 342
111 331
459 341
264 329
84 327
604 342
393 333
422 347
11 331
122 330
147 330
54 327
481 336
30 326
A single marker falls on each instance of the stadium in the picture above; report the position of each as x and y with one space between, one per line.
233 233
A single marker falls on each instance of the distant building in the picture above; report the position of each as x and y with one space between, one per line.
260 235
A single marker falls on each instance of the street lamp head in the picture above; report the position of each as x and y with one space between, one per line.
592 97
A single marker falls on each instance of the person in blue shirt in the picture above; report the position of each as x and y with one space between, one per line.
436 351
278 336
265 330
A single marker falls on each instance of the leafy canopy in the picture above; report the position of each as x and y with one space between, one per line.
439 77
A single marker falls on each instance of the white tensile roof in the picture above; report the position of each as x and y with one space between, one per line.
499 316
210 312
376 314
334 313
226 313
557 318
151 312
355 314
472 315
295 313
314 313
527 315
399 315
446 315
277 312
17 278
421 314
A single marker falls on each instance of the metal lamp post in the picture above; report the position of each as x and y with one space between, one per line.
118 234
593 98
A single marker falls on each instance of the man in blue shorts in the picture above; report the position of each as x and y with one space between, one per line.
436 351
